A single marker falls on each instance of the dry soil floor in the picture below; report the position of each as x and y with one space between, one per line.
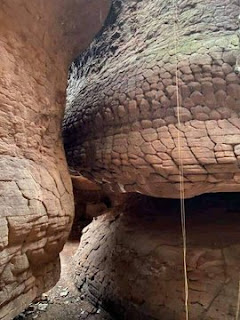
64 301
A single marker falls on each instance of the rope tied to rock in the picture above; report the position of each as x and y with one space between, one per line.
238 301
181 169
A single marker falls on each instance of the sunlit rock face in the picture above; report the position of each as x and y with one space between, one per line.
130 261
38 39
121 118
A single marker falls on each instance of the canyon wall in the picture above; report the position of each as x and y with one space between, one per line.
38 40
121 125
155 64
130 260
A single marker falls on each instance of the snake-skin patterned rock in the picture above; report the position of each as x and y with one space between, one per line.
121 118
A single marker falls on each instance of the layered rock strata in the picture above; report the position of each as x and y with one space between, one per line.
130 261
38 40
121 117
91 200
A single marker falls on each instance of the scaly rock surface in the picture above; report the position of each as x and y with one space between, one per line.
121 118
130 261
38 40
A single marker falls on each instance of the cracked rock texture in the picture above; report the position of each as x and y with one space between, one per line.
38 40
121 117
130 261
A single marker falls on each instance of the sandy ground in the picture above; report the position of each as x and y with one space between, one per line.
64 301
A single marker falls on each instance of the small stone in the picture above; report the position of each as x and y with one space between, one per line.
42 306
44 297
64 292
30 309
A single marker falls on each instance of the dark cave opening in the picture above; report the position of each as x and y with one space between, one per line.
204 204
219 208
217 215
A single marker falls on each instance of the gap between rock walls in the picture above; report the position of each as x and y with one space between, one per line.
151 133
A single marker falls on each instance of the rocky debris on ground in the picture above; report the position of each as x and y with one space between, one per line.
64 301
64 293
42 305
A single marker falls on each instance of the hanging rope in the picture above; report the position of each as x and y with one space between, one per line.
237 69
238 302
181 171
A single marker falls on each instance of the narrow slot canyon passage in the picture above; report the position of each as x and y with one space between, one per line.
108 109
64 300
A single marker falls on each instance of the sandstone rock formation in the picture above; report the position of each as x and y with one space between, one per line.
38 40
121 128
130 260
91 200
121 118
88 201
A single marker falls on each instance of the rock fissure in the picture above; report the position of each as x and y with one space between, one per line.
122 110
120 128
36 201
